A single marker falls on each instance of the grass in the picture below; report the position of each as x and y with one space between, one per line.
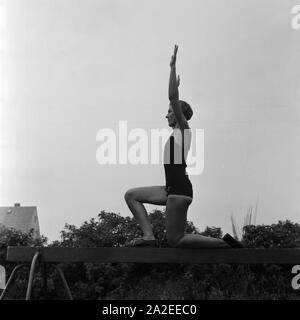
249 219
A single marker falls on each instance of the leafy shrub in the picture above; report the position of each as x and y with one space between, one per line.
13 237
284 234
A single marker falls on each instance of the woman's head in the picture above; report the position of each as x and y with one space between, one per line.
186 110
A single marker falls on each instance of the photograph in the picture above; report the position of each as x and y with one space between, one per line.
149 153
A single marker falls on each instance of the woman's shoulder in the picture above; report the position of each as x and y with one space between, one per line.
185 134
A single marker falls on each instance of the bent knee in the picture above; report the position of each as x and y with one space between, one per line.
173 240
129 195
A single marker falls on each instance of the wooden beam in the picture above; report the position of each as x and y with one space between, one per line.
157 255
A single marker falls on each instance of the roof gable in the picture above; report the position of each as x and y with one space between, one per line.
20 218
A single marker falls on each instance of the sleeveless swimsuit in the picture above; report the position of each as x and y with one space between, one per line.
177 181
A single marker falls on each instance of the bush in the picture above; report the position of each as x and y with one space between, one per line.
284 234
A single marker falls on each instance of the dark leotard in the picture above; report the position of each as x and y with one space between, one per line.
177 181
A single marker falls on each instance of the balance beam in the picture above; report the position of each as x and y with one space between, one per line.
156 255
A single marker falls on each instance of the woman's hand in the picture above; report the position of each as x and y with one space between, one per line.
173 58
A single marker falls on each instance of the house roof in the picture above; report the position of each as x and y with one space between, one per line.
20 218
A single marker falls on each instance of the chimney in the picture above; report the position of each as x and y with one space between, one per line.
17 205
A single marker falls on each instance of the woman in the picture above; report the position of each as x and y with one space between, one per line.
177 194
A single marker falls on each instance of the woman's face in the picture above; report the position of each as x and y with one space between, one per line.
171 117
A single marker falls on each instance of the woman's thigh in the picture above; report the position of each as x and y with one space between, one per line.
176 215
152 195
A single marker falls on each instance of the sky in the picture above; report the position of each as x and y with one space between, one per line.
70 68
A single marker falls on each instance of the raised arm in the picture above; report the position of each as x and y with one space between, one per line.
174 93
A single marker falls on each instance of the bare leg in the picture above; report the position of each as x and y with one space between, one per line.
176 215
199 241
135 199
